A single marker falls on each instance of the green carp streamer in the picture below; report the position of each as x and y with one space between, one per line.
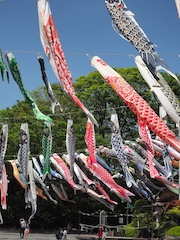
13 65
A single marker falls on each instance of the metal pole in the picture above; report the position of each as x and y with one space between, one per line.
127 213
100 223
79 224
152 220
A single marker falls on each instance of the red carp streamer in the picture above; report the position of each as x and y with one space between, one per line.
90 142
136 103
53 49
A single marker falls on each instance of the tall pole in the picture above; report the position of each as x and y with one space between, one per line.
79 224
100 224
127 214
152 220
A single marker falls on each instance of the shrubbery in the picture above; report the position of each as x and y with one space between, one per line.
128 231
174 231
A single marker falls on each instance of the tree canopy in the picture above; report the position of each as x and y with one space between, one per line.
100 99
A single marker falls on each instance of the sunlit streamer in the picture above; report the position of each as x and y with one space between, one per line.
125 25
14 68
53 49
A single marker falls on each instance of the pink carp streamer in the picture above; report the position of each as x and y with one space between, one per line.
52 47
66 172
3 174
86 183
60 194
103 175
102 191
136 103
90 142
3 188
144 133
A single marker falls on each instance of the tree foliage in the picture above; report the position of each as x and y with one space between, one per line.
174 214
100 99
174 231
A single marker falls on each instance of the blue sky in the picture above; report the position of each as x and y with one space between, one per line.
84 28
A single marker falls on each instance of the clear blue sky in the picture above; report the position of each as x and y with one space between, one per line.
84 27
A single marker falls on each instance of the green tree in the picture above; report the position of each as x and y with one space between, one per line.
174 214
96 93
100 99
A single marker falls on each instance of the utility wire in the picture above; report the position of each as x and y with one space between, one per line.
62 113
89 54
